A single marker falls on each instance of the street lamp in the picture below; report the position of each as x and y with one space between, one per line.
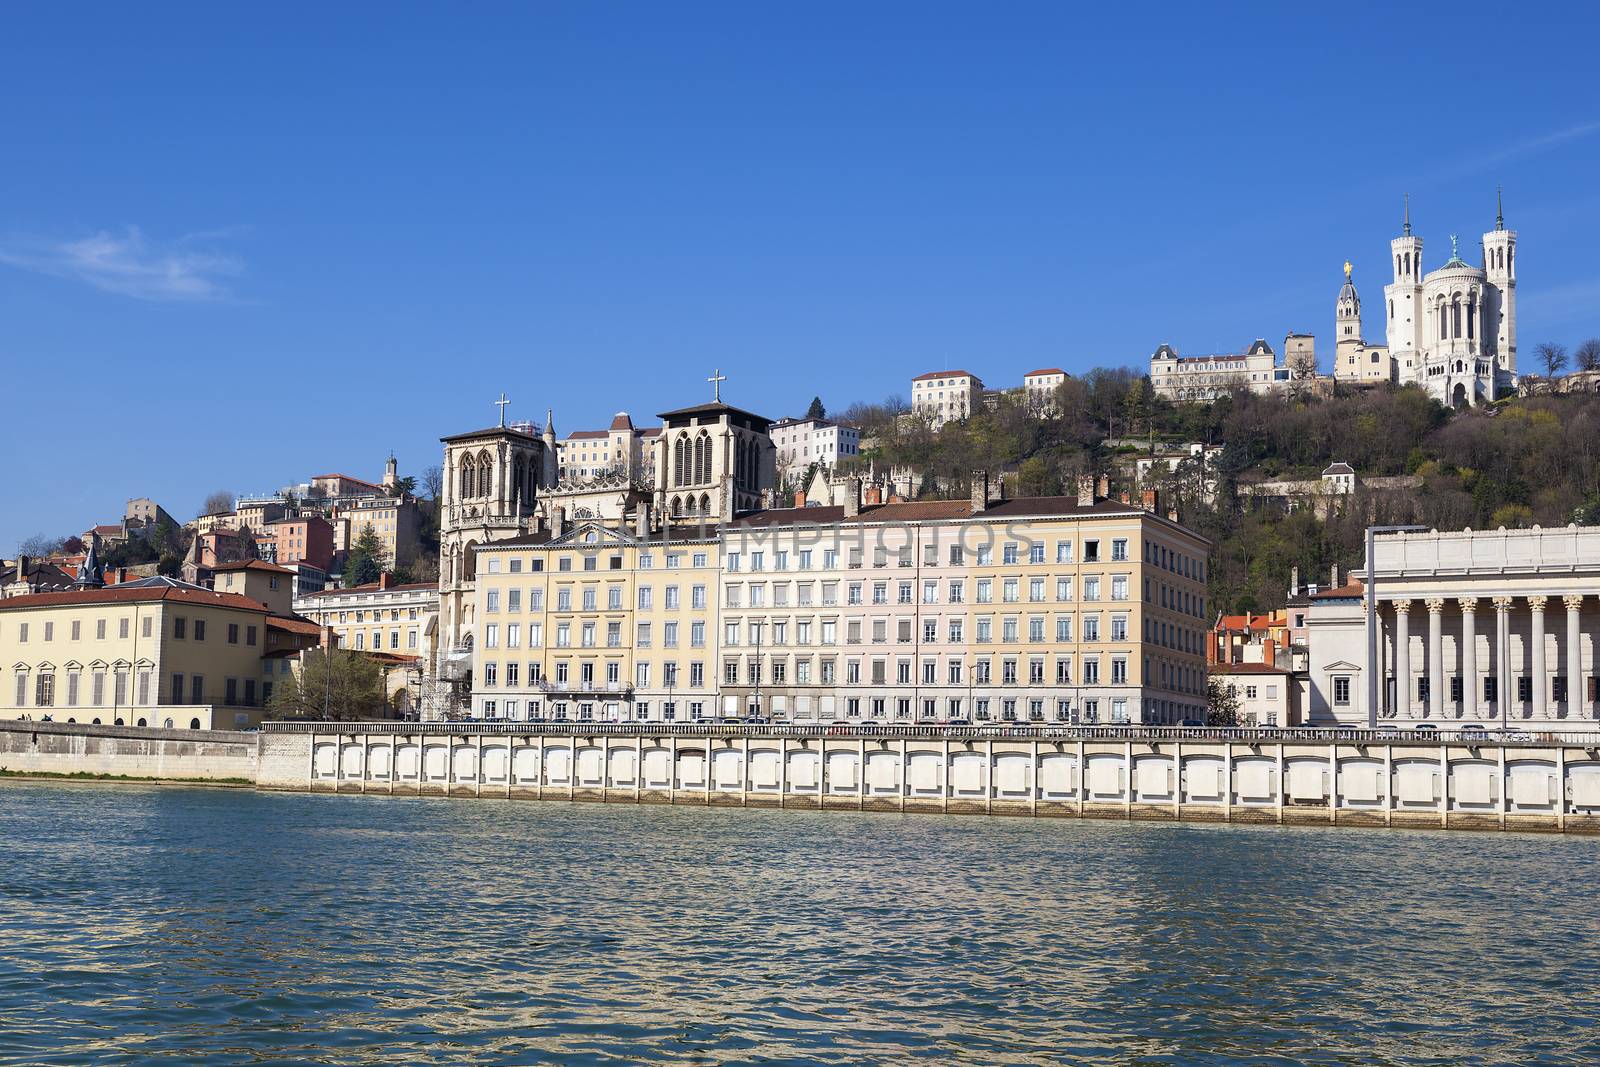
1373 670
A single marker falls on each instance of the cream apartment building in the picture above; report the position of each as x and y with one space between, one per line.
381 616
596 624
149 653
1044 609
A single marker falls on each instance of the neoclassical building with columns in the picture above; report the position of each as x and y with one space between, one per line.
1478 628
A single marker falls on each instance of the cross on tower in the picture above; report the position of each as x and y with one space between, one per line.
501 404
716 380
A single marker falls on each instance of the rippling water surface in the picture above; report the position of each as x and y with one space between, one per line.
139 924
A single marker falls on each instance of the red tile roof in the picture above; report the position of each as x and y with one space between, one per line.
373 587
122 594
348 478
1047 370
585 434
1245 668
293 625
944 374
252 565
621 421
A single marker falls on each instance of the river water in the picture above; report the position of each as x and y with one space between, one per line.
226 926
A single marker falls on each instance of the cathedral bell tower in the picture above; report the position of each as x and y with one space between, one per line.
1500 291
1404 296
1347 322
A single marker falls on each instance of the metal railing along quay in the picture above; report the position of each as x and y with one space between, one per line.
1019 731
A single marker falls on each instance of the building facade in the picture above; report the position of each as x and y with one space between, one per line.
1478 628
151 653
383 616
1204 378
800 443
1044 609
1039 389
946 396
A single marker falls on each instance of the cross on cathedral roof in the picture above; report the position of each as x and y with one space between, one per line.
716 380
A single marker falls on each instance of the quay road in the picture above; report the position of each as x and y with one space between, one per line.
1451 779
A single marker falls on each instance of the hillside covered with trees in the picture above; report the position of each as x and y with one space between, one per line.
1518 463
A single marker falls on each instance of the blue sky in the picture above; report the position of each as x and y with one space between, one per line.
243 245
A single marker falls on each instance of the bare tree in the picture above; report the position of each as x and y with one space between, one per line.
220 501
1554 358
433 482
42 545
1587 357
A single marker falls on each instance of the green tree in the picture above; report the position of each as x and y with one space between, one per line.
337 685
406 486
364 562
1222 704
816 410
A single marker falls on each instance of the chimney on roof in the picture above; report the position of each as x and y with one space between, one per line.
384 580
874 494
1102 486
641 521
997 489
1333 581
1124 497
799 498
852 497
1172 514
558 522
1085 490
1294 580
980 491
22 567
1150 499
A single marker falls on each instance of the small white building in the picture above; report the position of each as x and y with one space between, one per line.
1039 389
1267 695
946 396
802 442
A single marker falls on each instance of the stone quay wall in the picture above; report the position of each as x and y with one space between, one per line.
126 751
1337 778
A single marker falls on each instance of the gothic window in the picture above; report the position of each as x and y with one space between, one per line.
466 480
1471 307
705 504
702 459
470 561
680 466
485 474
1455 317
677 502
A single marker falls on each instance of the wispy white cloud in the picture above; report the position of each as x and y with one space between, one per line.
1536 144
126 263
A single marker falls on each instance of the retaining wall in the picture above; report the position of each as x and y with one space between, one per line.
126 751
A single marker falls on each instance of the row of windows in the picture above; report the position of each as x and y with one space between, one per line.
1491 689
955 591
1011 553
1092 669
591 562
180 630
984 709
237 692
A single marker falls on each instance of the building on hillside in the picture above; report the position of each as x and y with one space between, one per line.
395 521
946 396
382 616
151 653
266 583
255 514
144 513
334 488
108 533
802 443
1453 331
203 524
1579 381
305 538
1204 378
1338 487
1355 362
1479 628
1267 695
1040 389
1043 609
620 449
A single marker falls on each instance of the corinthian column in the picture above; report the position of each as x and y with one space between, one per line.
1576 689
1436 690
1470 683
1541 677
1502 656
1402 658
